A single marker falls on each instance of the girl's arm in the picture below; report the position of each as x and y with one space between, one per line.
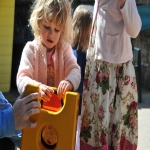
131 17
26 70
26 73
71 72
72 69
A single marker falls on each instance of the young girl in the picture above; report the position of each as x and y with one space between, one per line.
109 104
48 59
82 23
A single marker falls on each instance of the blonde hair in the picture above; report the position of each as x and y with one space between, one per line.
82 22
52 10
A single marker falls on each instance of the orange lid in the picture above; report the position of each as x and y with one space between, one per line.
55 104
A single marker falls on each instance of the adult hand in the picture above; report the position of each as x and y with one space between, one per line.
23 108
122 2
63 87
46 92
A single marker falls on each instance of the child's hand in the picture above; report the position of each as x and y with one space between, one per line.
63 87
46 92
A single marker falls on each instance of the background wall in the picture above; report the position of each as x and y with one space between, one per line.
6 42
143 42
22 12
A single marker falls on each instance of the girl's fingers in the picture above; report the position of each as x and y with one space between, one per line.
62 89
65 89
46 91
59 91
49 91
44 96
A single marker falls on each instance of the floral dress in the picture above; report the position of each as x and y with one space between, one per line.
109 116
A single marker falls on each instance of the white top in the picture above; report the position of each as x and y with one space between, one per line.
115 27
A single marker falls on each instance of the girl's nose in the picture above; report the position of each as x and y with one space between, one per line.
50 32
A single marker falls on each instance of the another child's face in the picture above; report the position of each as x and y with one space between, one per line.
49 33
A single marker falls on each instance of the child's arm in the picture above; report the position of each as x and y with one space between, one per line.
72 72
72 69
131 18
26 69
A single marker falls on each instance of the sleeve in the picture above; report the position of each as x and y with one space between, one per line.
131 18
26 69
72 69
7 127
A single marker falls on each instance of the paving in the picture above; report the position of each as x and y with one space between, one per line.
144 122
143 117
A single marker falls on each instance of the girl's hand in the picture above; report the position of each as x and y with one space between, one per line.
46 92
122 2
63 87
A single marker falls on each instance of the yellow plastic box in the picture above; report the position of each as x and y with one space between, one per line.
54 130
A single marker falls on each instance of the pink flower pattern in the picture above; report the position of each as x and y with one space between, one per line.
103 98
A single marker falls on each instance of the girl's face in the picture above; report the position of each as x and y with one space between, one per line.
49 33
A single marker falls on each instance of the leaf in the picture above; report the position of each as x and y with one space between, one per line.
128 126
124 117
88 134
84 133
126 122
81 134
85 139
127 106
103 90
89 128
101 84
106 84
101 67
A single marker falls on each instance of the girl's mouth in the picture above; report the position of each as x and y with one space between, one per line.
50 41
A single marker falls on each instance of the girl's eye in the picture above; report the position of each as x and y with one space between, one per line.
57 30
46 27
